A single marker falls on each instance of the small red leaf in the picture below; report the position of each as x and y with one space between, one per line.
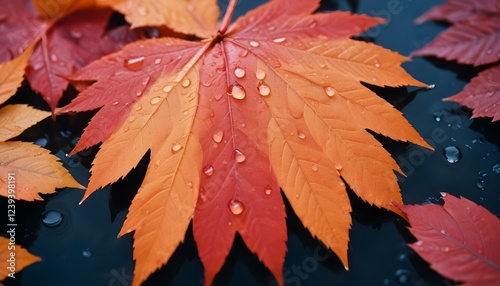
459 239
458 10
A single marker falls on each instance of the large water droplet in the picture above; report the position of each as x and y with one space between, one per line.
176 147
208 170
134 63
236 207
452 154
239 156
52 218
254 44
496 168
155 100
237 91
264 89
239 72
217 137
260 74
330 91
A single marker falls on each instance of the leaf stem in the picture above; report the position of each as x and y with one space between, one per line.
224 24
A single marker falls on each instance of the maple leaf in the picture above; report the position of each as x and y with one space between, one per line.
62 45
472 39
184 16
459 239
22 257
12 74
274 100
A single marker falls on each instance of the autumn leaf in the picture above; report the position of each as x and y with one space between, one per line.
184 16
22 258
472 39
459 239
273 101
62 45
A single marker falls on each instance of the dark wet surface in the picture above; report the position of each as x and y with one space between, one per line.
78 243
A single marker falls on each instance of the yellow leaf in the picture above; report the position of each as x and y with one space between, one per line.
14 119
22 258
34 171
12 74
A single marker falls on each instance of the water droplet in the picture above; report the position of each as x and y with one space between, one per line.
186 82
42 142
208 170
442 231
438 115
217 137
268 190
76 34
52 218
142 11
176 147
138 107
62 64
239 156
403 276
377 65
243 53
38 66
301 135
330 91
452 154
260 74
134 64
87 253
145 80
155 100
65 133
254 44
157 61
271 28
312 24
264 89
236 91
279 40
489 52
338 167
236 207
496 168
167 88
239 72
53 57
315 167
131 118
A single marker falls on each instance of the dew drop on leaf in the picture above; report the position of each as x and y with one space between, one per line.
208 170
330 91
115 103
452 154
236 91
279 40
315 167
239 156
239 72
186 82
301 135
134 63
167 88
38 66
264 89
217 137
254 44
338 167
138 107
76 34
52 218
145 81
176 147
268 190
236 207
260 74
155 100
142 11
53 57
131 118
157 61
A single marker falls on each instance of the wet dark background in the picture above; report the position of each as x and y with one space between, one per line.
82 248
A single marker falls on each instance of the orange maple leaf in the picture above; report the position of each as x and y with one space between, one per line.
22 258
273 101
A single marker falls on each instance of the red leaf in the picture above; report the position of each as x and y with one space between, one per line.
482 94
63 46
459 10
472 41
459 240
